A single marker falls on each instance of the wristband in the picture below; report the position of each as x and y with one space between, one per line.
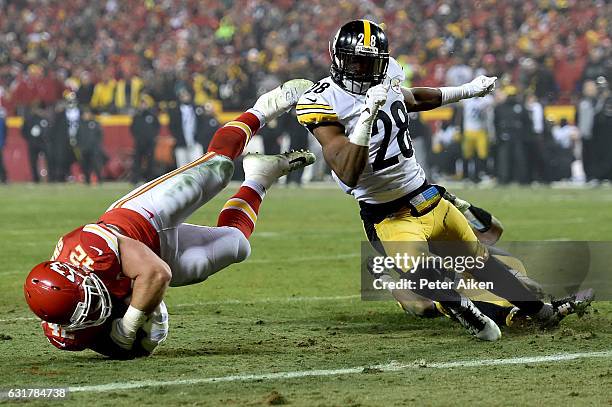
363 129
133 320
453 94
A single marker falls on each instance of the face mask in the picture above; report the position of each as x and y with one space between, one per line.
356 87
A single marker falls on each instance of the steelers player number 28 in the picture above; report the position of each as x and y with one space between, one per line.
400 117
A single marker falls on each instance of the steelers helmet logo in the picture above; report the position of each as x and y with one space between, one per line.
396 85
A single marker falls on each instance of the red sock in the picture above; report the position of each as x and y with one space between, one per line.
240 211
231 139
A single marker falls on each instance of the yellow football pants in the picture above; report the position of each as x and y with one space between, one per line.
444 223
475 142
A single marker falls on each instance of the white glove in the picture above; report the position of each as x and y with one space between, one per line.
481 86
156 328
376 97
122 338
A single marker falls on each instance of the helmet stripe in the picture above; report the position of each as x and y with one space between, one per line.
366 33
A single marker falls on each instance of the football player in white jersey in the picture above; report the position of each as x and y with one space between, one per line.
359 115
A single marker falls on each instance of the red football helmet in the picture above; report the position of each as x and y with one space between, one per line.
63 294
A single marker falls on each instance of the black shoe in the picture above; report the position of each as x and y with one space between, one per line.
574 304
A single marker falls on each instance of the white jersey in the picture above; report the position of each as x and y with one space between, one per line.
476 113
392 170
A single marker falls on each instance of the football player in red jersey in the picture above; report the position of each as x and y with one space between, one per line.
104 285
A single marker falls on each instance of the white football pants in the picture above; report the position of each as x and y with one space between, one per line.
193 252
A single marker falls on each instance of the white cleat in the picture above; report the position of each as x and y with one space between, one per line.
268 168
279 100
472 319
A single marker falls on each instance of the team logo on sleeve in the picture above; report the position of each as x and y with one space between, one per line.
396 85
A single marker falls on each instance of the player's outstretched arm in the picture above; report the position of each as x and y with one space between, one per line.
347 157
151 276
420 99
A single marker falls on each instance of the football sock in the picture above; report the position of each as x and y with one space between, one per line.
446 297
496 312
506 285
231 139
240 211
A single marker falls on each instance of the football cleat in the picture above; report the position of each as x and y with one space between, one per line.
576 303
282 98
272 167
562 307
472 319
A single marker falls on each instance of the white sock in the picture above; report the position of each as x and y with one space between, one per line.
255 186
263 181
259 115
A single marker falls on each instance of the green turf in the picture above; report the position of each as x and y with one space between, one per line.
306 244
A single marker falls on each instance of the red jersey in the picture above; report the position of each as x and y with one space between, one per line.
132 224
95 248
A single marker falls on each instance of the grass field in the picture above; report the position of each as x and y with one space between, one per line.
294 307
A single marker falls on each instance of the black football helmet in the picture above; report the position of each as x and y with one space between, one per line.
360 56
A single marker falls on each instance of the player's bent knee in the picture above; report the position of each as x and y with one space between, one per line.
243 250
226 168
238 247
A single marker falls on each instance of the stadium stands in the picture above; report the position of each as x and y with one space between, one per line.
228 50
108 54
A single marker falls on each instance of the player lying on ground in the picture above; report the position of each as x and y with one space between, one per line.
104 286
488 229
359 115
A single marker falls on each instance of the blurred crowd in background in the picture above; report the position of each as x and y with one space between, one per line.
142 57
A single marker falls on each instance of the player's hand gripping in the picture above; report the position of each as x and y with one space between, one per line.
156 328
481 86
120 336
376 97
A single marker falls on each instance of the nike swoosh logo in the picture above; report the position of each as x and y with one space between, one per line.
301 160
151 216
100 252
311 100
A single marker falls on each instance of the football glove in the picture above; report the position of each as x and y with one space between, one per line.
120 336
376 97
156 328
480 86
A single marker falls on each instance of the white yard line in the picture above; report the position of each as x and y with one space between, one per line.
389 367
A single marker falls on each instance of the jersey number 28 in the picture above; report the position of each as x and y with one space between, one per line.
400 117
